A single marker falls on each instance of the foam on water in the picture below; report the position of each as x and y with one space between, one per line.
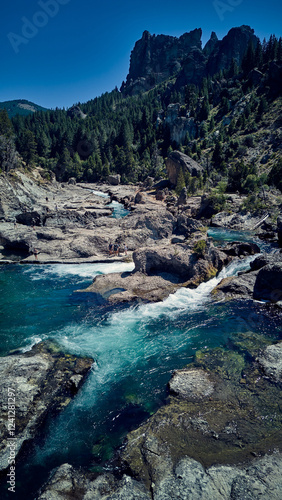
119 210
185 298
100 193
125 343
78 270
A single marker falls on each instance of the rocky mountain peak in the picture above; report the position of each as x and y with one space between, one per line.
156 58
232 46
146 35
211 44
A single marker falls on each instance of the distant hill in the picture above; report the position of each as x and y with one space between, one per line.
20 107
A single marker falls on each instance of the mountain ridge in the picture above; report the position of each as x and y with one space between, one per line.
21 107
156 58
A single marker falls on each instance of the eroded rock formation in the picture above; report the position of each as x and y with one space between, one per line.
33 384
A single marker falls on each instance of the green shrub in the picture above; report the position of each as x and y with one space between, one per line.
221 187
218 202
253 204
238 174
249 141
180 182
200 247
251 184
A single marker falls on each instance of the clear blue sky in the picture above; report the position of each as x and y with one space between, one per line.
59 52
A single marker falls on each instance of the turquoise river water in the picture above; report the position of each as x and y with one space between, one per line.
135 350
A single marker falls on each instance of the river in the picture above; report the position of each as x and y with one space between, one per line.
135 349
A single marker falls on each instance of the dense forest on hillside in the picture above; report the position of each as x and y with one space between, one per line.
231 123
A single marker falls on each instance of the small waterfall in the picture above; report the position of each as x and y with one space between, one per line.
189 299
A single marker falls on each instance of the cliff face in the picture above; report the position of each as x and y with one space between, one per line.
232 46
157 58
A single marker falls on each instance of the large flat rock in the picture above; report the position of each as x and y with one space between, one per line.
73 222
160 270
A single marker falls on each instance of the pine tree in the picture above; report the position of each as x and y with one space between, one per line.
217 156
27 146
180 182
248 62
279 50
43 145
64 166
6 127
234 68
258 55
205 110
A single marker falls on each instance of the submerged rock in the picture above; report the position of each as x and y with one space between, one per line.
191 384
271 361
33 384
222 412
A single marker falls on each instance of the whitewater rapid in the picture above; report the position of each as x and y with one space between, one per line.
123 331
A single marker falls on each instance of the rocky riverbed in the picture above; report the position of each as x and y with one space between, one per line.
219 435
43 221
62 222
189 479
